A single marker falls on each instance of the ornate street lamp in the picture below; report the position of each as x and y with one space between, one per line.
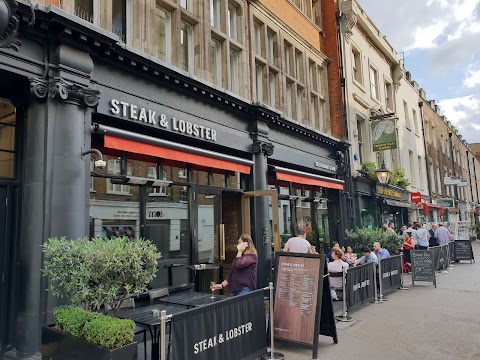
383 174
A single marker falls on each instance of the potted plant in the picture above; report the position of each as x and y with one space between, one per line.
92 273
398 179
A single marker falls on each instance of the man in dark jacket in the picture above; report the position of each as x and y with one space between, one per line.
432 240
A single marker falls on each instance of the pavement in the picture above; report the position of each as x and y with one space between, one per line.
422 323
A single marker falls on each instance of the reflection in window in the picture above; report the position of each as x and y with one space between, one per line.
160 190
114 168
119 19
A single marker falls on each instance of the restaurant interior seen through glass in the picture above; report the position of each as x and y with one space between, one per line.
196 216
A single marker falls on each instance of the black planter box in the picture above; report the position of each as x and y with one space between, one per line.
57 345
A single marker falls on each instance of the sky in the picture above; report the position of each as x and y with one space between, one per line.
440 40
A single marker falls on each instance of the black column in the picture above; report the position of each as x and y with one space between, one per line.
55 182
261 224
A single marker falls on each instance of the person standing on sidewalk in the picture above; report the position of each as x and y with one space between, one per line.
299 244
432 240
422 237
443 235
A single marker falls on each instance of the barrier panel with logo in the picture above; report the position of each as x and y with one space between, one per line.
360 286
391 274
230 329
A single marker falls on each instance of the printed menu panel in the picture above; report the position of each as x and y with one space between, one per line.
296 298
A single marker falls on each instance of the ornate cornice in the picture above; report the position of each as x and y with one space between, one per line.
349 25
9 21
263 147
73 93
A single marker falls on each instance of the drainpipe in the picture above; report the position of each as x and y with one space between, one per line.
348 194
429 185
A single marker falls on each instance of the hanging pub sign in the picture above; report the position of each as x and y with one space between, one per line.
384 135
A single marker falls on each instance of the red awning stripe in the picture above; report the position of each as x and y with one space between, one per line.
170 154
308 179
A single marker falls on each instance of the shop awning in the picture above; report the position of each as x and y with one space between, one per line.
427 205
400 204
299 177
146 145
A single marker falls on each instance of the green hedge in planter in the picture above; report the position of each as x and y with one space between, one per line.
364 237
99 329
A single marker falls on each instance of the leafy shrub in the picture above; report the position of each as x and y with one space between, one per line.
364 237
95 272
398 179
369 168
109 332
99 329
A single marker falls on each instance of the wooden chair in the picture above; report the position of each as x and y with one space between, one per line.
138 330
156 294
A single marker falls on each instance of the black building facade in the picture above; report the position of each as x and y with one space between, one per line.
67 87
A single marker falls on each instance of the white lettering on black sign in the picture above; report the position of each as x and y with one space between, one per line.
150 117
361 285
221 338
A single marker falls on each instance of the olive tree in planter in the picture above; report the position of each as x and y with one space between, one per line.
91 273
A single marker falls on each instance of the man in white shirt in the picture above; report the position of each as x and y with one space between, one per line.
299 244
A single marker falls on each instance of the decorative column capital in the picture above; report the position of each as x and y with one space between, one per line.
263 147
73 93
39 88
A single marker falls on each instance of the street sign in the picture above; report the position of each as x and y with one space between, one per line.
416 197
446 203
462 183
451 180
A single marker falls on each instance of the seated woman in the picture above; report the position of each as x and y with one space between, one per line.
337 265
350 257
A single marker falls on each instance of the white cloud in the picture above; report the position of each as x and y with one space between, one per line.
472 79
464 113
425 37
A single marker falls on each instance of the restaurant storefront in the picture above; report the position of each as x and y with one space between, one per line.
186 165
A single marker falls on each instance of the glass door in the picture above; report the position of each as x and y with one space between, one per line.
208 234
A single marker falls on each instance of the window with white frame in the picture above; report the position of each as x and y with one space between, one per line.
216 62
120 9
232 30
259 77
374 83
289 59
186 4
302 115
215 13
357 65
415 122
162 32
272 88
183 173
233 74
115 168
360 139
317 12
412 168
407 115
92 167
183 195
157 191
420 173
257 37
185 61
290 99
313 74
299 74
271 46
389 102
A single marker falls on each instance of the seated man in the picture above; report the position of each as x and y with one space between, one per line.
367 258
380 252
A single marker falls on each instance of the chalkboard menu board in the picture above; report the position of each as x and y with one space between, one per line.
423 266
299 291
463 250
